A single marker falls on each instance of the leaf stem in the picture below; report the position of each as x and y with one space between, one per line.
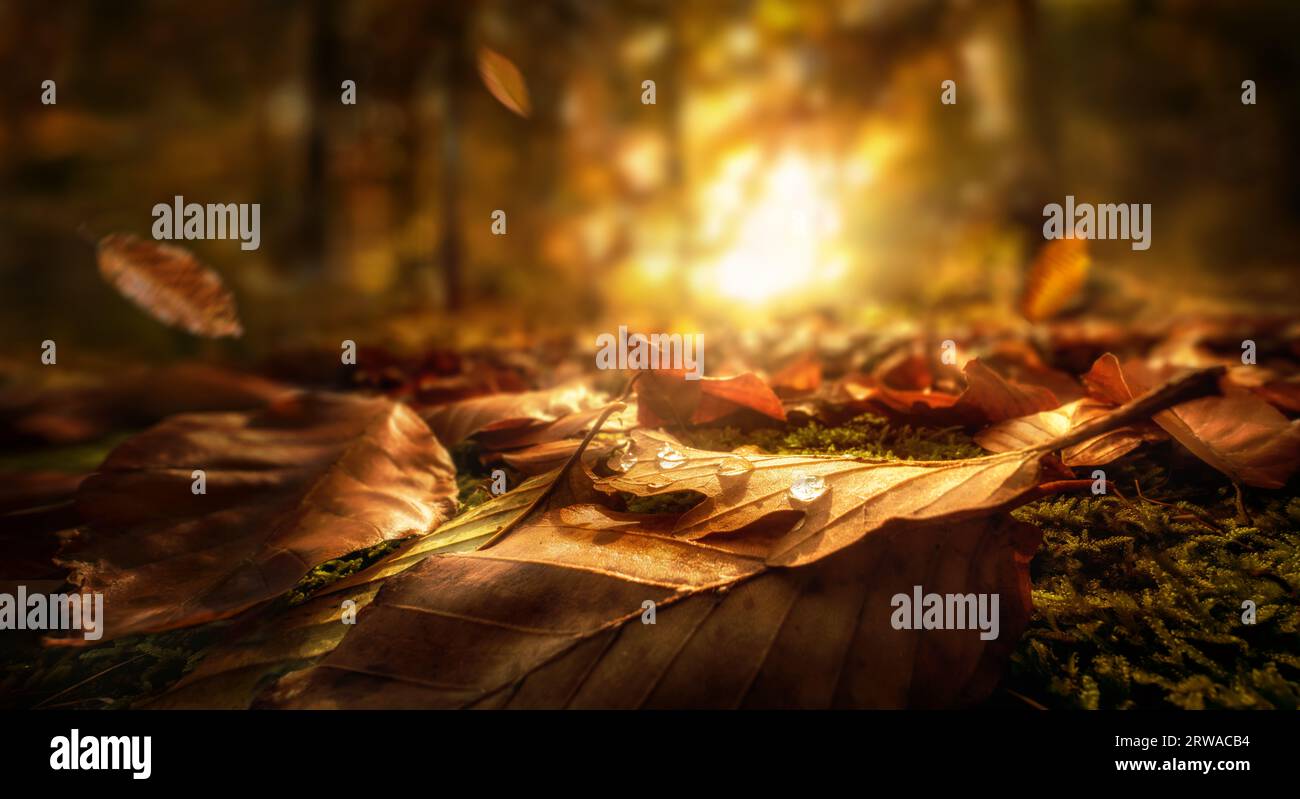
1190 386
540 500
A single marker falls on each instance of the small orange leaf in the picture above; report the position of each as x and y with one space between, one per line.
504 80
1055 278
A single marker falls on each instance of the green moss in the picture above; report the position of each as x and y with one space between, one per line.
331 571
109 676
1139 604
473 478
73 459
865 436
675 502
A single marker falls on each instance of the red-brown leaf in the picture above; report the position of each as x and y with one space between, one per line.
169 284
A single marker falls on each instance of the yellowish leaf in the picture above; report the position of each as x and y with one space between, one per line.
1055 278
504 80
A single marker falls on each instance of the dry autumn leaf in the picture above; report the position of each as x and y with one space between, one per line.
541 458
504 80
129 398
995 398
303 481
1030 431
988 397
552 617
1055 278
230 673
1281 394
169 284
842 499
666 397
1238 433
801 376
509 421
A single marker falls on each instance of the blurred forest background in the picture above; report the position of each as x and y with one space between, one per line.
797 158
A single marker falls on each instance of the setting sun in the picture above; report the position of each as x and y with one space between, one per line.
782 242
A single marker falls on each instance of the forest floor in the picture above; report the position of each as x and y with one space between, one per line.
1137 594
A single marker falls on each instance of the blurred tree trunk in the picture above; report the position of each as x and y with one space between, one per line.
1038 101
323 89
458 74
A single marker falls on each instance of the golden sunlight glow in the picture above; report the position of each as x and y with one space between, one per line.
772 234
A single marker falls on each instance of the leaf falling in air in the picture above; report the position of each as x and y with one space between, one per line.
1055 278
169 284
504 80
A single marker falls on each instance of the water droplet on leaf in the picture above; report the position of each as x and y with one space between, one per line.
734 466
807 487
669 457
622 459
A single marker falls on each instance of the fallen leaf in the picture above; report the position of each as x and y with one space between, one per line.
552 617
1283 394
504 80
859 496
1019 362
666 397
995 398
129 398
301 482
230 674
1035 429
907 368
541 458
1238 433
988 397
1055 278
22 491
800 376
509 421
169 284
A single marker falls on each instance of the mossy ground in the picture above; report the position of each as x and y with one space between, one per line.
1138 597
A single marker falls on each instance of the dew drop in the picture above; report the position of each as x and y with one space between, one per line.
669 457
622 459
807 487
734 466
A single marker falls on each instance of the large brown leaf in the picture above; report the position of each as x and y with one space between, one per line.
306 480
1238 433
231 672
97 404
552 617
170 285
